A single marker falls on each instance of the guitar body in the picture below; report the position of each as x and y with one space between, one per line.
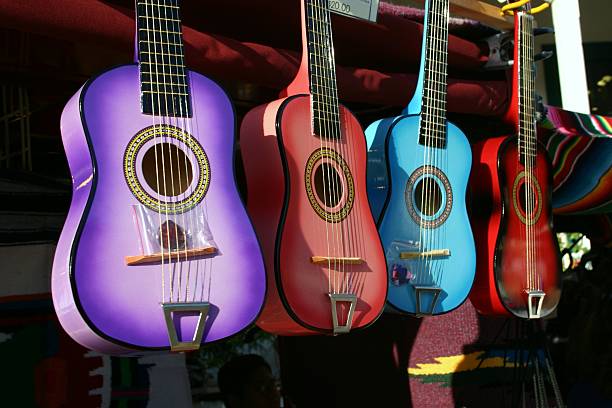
497 186
113 308
281 158
395 167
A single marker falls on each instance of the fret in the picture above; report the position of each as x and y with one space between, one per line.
322 89
174 20
319 33
437 92
160 31
527 133
432 126
164 89
323 114
144 3
162 54
149 43
167 93
333 113
163 74
162 63
322 73
323 66
162 83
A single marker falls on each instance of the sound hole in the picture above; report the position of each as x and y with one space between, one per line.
328 185
166 169
522 199
428 196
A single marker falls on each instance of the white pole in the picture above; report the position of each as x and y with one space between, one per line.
570 56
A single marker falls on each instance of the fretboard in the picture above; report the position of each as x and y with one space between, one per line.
325 110
163 81
526 98
432 131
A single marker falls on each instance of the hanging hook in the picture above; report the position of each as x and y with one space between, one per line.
509 8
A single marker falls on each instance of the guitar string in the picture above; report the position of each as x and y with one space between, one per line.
533 150
200 210
442 152
526 146
537 203
525 124
440 155
348 224
334 117
324 128
333 137
522 132
164 232
166 140
436 126
426 117
347 152
315 100
174 258
446 195
429 122
183 113
155 145
325 133
422 131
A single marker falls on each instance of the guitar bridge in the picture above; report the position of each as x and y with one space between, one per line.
421 292
535 299
434 253
325 260
336 298
171 308
170 256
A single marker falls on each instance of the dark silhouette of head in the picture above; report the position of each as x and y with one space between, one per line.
247 382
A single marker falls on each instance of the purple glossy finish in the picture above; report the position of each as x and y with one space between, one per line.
120 305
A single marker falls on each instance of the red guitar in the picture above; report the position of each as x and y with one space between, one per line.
518 263
305 162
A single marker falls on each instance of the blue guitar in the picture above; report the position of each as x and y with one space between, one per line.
418 168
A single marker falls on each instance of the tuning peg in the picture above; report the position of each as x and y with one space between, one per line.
543 30
541 56
500 51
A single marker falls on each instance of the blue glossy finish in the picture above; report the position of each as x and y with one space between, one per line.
394 154
416 103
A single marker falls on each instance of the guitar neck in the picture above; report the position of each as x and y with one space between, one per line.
163 79
430 99
524 86
319 46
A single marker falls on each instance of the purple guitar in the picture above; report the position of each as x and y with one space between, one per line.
157 252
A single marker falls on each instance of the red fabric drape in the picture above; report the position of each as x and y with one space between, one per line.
364 49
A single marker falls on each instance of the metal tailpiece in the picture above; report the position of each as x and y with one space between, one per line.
194 344
421 290
343 298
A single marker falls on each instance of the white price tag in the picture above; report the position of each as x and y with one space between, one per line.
363 9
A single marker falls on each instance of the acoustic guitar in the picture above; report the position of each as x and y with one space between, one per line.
157 252
418 169
518 269
305 162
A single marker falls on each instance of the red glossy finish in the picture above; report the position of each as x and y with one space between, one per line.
501 244
290 230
